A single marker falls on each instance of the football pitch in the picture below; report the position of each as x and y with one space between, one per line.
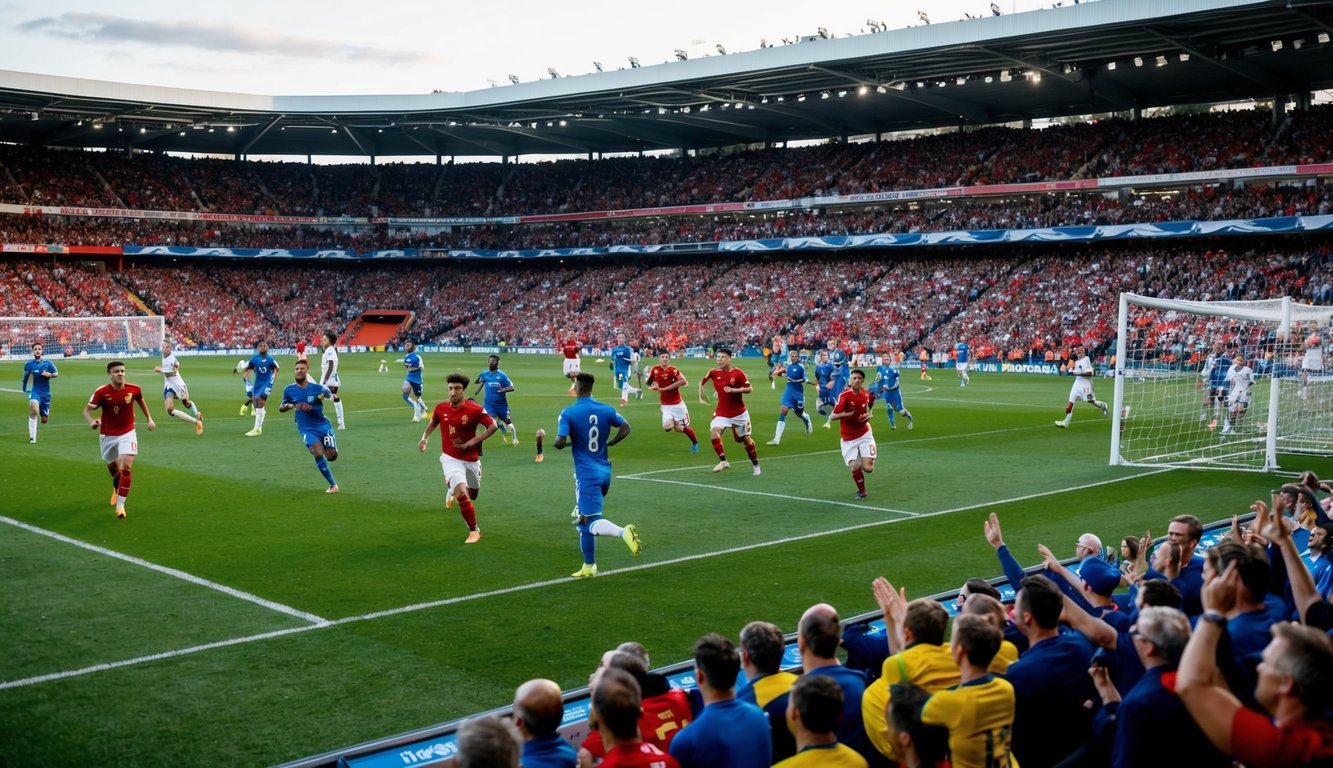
242 616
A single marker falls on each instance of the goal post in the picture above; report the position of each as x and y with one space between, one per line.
1167 412
98 337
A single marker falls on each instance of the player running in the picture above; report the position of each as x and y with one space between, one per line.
173 386
412 381
667 380
837 357
1241 379
329 374
307 397
585 427
622 363
460 448
39 395
731 386
119 442
1082 388
570 348
496 400
793 396
265 369
962 361
1214 376
858 439
886 387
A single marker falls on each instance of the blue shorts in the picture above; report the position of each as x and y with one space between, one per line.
894 397
415 386
829 396
791 400
323 434
622 377
498 412
43 401
264 390
589 491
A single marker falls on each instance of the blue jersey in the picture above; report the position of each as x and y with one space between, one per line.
793 396
961 352
265 367
621 357
311 421
887 376
412 360
823 374
589 424
494 381
40 384
1217 372
842 368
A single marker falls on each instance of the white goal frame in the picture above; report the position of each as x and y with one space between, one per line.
128 336
1279 315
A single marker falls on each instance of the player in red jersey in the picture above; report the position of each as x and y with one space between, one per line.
858 441
668 381
570 348
116 426
460 457
731 385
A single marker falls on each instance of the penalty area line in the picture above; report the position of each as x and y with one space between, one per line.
182 575
783 496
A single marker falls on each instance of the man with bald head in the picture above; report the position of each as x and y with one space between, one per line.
538 710
817 639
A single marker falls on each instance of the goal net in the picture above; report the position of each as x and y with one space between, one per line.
1226 385
60 337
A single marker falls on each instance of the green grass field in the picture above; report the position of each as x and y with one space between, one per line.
242 616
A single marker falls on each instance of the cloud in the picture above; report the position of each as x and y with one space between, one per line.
212 37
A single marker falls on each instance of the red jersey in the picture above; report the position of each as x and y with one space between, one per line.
117 407
663 717
665 376
857 404
571 348
460 424
638 756
729 404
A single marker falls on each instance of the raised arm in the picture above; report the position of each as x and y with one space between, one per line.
1212 706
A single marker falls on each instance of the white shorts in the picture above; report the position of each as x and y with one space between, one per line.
1238 402
333 382
177 387
115 446
677 413
740 423
458 471
862 447
571 365
1082 390
962 367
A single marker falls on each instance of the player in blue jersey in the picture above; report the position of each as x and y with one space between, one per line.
824 383
962 361
412 381
793 395
586 427
41 372
264 368
307 397
842 369
1214 375
496 402
623 359
886 388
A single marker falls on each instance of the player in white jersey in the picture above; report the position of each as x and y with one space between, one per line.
1241 379
173 388
328 376
1313 361
1082 388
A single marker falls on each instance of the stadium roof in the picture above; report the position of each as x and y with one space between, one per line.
1088 58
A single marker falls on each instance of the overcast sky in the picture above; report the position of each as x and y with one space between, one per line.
285 47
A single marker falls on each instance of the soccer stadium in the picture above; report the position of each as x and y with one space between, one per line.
963 388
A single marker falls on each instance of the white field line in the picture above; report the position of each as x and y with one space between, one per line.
182 575
786 497
524 587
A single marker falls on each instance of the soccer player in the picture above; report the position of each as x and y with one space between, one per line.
622 362
265 369
306 397
962 361
824 383
173 386
1082 387
667 380
460 455
39 395
837 356
243 368
1241 379
887 388
858 439
1312 362
924 358
570 348
731 385
412 381
1214 375
793 396
496 402
585 427
776 351
329 374
116 426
